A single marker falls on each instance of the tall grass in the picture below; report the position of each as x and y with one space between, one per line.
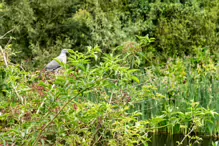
196 87
158 92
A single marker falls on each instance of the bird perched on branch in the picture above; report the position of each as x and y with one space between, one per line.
54 65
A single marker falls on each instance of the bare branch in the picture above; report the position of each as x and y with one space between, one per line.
4 56
1 37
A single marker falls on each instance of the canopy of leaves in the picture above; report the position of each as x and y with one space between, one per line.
41 27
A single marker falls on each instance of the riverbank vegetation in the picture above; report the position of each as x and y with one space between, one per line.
134 68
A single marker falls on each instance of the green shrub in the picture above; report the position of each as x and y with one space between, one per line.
100 100
181 27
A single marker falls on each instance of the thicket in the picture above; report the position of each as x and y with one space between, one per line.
43 28
95 102
135 67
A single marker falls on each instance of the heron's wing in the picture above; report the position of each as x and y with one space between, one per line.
53 65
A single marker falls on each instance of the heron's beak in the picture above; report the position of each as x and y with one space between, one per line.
68 51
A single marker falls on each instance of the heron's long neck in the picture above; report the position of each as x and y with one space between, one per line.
62 55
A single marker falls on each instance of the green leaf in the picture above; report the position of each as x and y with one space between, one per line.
135 79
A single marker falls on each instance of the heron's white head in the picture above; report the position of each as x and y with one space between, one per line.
64 51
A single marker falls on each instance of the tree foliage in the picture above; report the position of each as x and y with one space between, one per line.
40 26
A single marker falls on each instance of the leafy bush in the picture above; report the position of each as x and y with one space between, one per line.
181 27
97 101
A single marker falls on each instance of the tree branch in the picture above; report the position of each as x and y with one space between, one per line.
4 57
1 37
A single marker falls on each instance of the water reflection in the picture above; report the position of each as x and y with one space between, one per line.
171 140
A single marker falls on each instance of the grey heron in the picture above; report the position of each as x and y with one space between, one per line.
54 65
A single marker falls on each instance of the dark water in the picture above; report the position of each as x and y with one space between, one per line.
171 140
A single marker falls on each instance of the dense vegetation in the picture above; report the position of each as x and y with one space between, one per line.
135 67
